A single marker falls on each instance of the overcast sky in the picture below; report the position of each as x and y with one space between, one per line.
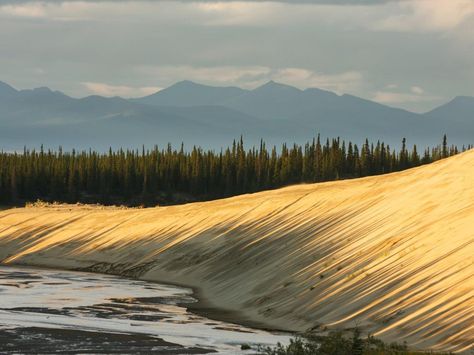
412 54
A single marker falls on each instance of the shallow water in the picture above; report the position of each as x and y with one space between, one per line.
48 311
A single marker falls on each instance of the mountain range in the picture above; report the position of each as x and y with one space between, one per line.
211 117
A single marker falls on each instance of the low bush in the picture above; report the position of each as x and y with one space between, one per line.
337 343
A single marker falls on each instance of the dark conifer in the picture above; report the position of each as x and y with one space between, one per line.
173 176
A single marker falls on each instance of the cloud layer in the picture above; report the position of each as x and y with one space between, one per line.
103 89
128 48
424 15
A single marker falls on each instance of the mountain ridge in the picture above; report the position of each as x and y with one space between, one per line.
212 116
196 85
203 94
6 89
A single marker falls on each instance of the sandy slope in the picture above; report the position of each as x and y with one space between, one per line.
393 254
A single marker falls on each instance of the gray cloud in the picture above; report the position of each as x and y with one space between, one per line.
379 52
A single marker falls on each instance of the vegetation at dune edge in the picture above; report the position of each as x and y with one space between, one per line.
336 343
167 176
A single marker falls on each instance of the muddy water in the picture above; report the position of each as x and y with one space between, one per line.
48 311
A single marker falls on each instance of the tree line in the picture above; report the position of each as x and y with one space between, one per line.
167 176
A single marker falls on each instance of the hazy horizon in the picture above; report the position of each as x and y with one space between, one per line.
146 94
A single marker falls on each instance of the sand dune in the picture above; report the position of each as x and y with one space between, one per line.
392 254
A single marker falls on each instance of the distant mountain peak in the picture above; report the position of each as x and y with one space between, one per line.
458 110
45 91
463 98
273 85
5 88
188 93
186 83
193 85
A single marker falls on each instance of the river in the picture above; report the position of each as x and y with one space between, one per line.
51 311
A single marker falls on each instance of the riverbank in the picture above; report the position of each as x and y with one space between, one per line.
391 254
80 312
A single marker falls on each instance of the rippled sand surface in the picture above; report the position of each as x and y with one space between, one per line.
393 254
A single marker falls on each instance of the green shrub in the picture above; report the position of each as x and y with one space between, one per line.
336 343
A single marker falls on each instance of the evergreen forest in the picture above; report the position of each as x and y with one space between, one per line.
170 176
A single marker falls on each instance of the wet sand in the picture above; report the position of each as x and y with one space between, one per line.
37 340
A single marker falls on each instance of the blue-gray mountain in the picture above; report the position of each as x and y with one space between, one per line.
212 117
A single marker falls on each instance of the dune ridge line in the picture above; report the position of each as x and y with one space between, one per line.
391 254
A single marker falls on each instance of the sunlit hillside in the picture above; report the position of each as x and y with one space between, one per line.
392 254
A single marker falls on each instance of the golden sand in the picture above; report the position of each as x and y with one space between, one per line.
392 254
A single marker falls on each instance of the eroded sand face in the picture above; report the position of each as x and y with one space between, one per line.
392 254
